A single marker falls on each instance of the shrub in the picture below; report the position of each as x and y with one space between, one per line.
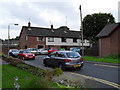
14 61
57 72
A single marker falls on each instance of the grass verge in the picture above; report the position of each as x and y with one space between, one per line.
25 79
105 60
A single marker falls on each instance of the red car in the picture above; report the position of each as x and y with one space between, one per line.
52 50
26 54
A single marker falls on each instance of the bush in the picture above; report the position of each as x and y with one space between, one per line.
57 72
14 61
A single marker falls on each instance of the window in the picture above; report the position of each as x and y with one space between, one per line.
50 39
75 40
39 38
26 38
63 39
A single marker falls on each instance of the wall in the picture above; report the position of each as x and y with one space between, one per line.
110 45
32 42
114 42
22 38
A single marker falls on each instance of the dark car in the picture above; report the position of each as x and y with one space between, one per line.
13 52
64 60
26 54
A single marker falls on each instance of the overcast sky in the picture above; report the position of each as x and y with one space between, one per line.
43 13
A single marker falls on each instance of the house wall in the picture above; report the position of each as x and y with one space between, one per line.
33 43
110 45
114 42
22 38
104 46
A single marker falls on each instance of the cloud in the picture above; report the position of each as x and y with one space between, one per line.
42 13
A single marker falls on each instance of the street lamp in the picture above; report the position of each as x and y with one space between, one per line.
81 28
9 33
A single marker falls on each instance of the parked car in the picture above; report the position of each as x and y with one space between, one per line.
64 60
75 49
52 50
42 51
33 50
26 54
13 52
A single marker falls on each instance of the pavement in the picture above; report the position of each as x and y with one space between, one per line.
112 64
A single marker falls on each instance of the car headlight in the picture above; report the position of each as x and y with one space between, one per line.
26 55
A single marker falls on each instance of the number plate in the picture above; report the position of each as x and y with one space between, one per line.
77 65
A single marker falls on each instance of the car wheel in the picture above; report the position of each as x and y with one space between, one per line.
33 59
18 57
80 66
23 58
61 67
45 64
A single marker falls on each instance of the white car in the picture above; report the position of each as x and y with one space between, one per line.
42 51
33 50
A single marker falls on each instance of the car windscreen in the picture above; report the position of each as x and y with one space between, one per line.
26 51
73 55
15 51
54 49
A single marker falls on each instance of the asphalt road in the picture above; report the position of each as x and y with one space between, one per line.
105 72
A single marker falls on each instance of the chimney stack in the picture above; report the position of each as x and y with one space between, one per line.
29 24
51 27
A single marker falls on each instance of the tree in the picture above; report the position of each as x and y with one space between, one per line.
93 24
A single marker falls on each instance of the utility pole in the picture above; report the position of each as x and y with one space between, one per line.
81 29
9 34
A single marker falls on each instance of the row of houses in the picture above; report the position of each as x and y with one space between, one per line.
63 37
39 37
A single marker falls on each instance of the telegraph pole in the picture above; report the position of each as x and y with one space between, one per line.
81 29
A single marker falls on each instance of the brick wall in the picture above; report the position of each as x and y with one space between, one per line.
22 39
110 45
32 42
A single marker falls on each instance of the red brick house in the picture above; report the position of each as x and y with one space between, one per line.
38 37
109 40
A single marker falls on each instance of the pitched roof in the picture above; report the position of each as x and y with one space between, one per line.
108 29
47 32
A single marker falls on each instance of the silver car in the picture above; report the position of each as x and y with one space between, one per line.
64 60
13 52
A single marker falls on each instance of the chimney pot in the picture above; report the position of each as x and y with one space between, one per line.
51 27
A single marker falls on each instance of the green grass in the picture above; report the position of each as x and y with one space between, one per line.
0 76
106 60
26 80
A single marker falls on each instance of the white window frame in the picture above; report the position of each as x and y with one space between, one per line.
38 39
26 38
50 39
